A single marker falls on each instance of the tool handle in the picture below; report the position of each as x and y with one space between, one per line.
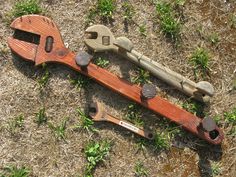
160 106
129 126
167 75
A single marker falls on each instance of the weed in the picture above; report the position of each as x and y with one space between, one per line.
141 144
194 107
59 131
80 82
43 80
200 59
13 171
26 7
133 114
86 123
106 8
91 16
16 124
96 152
128 11
180 2
214 38
217 119
169 25
140 170
102 62
160 142
215 167
143 30
232 20
141 76
41 117
230 117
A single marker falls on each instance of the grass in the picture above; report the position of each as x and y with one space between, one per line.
102 62
13 171
170 26
81 82
86 123
141 77
141 144
143 30
59 130
95 153
232 20
140 170
161 141
194 107
25 7
41 117
215 167
214 38
128 11
133 114
180 2
200 60
90 17
44 78
106 8
230 119
16 124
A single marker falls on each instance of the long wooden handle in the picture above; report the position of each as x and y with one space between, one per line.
157 104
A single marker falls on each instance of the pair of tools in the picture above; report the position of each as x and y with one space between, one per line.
37 39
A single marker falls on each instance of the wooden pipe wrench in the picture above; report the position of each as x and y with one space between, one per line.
37 39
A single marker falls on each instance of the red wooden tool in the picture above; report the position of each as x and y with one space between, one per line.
37 39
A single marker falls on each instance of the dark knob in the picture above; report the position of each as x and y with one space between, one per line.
83 59
148 91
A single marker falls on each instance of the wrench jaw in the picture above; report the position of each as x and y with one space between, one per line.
99 38
36 38
204 91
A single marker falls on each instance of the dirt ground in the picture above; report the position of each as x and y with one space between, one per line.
36 147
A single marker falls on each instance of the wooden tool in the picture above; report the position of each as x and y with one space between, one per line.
37 39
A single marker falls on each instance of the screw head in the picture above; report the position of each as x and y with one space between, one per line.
148 91
208 124
82 59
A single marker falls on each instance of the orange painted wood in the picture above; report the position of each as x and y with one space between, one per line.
44 27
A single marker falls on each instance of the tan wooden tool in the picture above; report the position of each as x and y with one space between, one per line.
97 113
37 39
101 39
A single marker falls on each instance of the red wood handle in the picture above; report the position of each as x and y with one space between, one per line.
157 104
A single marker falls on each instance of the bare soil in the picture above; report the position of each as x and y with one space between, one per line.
37 148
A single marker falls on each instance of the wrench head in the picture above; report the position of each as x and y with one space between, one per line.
99 38
36 38
96 111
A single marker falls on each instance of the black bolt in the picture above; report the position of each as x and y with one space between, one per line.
148 91
208 124
83 59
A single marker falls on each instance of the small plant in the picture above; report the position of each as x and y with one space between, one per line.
160 142
43 80
26 7
86 123
232 20
214 38
133 114
141 76
106 8
180 2
16 124
91 16
140 170
143 30
169 25
80 82
230 117
13 171
41 117
200 59
59 131
194 107
141 144
215 167
128 11
95 153
102 62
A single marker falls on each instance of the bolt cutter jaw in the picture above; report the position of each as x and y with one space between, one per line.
36 38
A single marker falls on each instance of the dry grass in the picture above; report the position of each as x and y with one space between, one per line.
35 147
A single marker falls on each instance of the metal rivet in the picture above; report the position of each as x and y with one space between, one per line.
148 91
